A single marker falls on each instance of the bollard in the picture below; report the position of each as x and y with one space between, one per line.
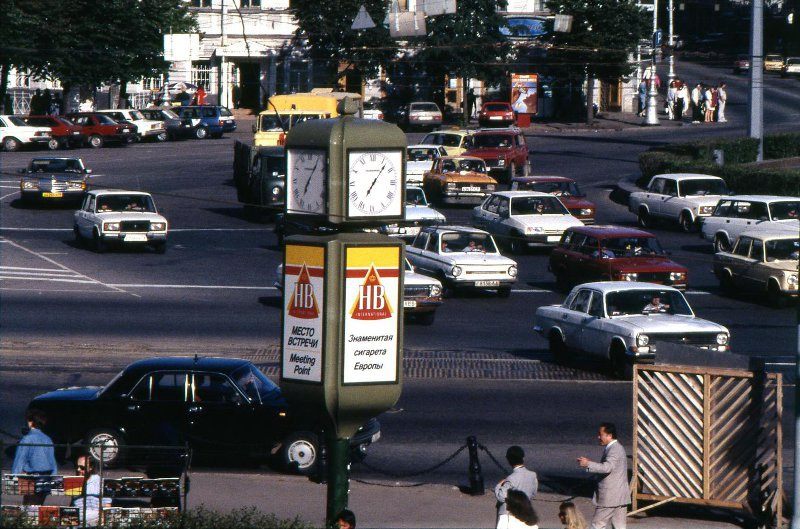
475 474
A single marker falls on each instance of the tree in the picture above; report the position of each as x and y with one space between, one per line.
15 49
604 35
325 27
467 44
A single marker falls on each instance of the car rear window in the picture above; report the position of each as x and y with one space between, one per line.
223 111
491 140
424 107
497 107
785 210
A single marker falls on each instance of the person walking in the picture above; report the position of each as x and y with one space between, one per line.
696 97
642 97
722 98
35 454
670 100
612 496
681 99
520 479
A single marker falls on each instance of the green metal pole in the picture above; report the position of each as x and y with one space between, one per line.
338 477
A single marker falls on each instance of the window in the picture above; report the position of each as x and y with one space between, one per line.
433 243
491 205
162 387
590 246
670 188
201 73
577 241
657 186
502 208
214 388
201 3
581 301
596 307
757 252
251 3
723 208
151 83
420 241
743 246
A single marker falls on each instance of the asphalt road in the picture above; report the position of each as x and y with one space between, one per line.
212 292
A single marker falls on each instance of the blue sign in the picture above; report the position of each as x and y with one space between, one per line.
524 27
657 38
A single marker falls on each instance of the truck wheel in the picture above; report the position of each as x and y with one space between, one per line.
300 452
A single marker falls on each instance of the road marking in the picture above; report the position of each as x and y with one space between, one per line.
210 287
9 195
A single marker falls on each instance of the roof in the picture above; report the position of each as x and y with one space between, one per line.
444 158
455 227
517 194
502 132
530 179
613 286
761 198
687 176
97 192
56 158
202 363
773 230
607 231
424 146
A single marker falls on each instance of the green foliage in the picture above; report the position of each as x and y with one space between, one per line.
745 179
325 28
604 33
782 145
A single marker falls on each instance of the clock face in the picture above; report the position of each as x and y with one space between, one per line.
374 184
306 181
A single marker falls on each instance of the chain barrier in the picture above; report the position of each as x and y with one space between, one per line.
416 473
494 459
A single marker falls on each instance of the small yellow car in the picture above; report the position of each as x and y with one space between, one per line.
773 63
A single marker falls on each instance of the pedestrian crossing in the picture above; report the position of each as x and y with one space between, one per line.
55 275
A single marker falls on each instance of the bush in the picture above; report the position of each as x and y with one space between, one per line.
750 180
778 146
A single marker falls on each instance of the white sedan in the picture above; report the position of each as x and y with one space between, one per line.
420 160
521 219
623 323
120 217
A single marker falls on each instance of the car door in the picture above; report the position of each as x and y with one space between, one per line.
499 222
670 204
751 277
585 264
741 262
84 217
572 318
594 339
416 252
157 410
483 213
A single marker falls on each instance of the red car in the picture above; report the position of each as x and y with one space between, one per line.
503 150
566 189
495 114
100 129
613 253
65 133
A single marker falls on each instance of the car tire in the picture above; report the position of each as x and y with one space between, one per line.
53 144
621 366
721 243
504 292
512 172
99 244
108 444
644 219
162 137
201 133
776 298
426 318
95 141
11 144
558 349
300 453
687 224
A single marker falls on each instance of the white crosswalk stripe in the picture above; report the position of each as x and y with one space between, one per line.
43 274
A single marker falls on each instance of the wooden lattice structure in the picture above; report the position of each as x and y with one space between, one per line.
708 436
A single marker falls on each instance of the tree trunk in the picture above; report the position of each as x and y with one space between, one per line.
4 72
589 99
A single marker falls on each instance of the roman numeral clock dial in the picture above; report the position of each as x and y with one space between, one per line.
374 180
307 181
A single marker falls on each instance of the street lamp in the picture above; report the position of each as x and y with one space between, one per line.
651 112
671 43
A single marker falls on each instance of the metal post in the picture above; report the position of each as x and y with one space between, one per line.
338 477
796 488
756 124
476 487
671 74
651 110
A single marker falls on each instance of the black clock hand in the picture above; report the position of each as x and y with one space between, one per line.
376 178
305 190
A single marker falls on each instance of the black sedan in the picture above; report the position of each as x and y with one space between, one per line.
217 406
53 179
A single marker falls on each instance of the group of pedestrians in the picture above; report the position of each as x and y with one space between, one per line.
611 499
44 104
703 103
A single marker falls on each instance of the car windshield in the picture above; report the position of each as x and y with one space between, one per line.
424 107
537 205
476 166
634 302
419 154
256 385
559 189
168 114
137 203
57 165
785 210
782 249
711 186
792 61
631 247
415 197
135 114
483 141
497 107
468 242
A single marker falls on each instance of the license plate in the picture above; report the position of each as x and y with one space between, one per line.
52 195
412 231
409 304
135 237
424 118
125 131
553 238
75 133
495 117
471 188
487 283
376 436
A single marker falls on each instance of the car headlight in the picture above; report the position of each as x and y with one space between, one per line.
677 276
642 340
436 290
491 187
791 280
456 271
76 185
706 210
158 226
276 190
512 271
501 161
629 276
722 338
451 185
29 184
587 212
111 226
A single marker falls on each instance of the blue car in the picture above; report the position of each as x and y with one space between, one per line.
210 120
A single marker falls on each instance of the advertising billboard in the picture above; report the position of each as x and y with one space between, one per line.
524 88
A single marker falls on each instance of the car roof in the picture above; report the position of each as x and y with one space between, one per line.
613 286
424 146
455 227
517 194
605 231
458 132
98 192
773 230
687 176
532 179
503 132
195 363
444 158
48 158
761 198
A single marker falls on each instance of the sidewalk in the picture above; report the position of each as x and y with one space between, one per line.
385 504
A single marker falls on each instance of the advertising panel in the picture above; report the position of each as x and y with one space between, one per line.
524 88
303 310
371 305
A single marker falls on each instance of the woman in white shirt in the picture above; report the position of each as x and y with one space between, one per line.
520 512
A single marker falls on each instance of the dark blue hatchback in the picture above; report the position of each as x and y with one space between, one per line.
215 120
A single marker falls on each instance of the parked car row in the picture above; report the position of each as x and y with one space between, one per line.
115 126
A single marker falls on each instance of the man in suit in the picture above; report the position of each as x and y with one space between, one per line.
520 479
613 493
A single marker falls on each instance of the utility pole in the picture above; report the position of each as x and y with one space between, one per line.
651 110
755 128
671 42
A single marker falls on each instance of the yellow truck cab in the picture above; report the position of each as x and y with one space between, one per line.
285 111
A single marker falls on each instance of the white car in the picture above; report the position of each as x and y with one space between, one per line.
735 214
791 67
145 128
681 197
110 216
623 323
418 214
14 133
521 219
372 109
419 160
462 257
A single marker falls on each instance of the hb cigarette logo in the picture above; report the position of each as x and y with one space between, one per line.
371 302
303 303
